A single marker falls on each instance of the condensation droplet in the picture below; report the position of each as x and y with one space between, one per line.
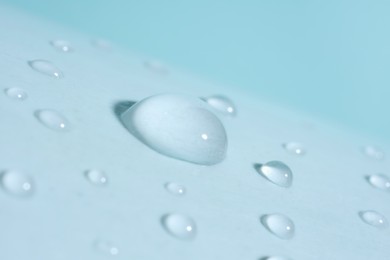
179 226
53 120
373 218
106 247
379 181
279 225
17 183
16 93
96 177
175 188
222 104
294 148
46 67
61 45
276 172
373 152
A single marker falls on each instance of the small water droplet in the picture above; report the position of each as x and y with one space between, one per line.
156 66
53 120
178 126
279 224
180 226
373 152
379 181
294 148
62 45
17 183
222 104
276 172
96 177
106 247
175 188
16 93
46 67
373 218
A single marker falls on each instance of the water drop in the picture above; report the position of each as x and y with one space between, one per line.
379 181
16 93
53 120
279 224
294 148
46 67
17 183
96 177
178 126
106 247
373 218
373 152
175 188
276 172
222 104
62 45
180 226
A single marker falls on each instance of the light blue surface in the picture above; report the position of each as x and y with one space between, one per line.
331 58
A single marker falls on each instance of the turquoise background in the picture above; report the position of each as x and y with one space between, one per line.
330 58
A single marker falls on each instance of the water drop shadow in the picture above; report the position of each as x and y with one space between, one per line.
121 106
257 167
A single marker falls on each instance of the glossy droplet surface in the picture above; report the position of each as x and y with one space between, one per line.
17 183
279 224
294 148
96 177
222 104
175 188
379 181
62 45
106 247
178 126
373 152
53 120
179 226
46 67
373 218
276 172
16 93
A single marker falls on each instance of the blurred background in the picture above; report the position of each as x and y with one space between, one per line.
329 58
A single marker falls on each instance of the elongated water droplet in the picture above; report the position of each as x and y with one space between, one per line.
178 126
46 67
53 120
106 247
379 181
17 183
373 218
179 226
279 224
373 152
175 188
222 104
16 93
62 45
295 148
276 172
96 177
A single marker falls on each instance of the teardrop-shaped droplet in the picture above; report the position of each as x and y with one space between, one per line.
222 104
373 218
175 188
106 247
279 224
379 181
96 177
295 148
61 45
373 152
16 93
178 126
46 67
179 226
53 120
276 172
17 183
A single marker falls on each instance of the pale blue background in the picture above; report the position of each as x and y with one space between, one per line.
327 57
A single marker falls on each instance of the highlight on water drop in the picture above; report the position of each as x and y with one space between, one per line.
294 148
53 120
46 67
373 218
61 45
17 183
276 172
16 94
379 181
222 104
279 224
175 188
106 247
96 177
179 226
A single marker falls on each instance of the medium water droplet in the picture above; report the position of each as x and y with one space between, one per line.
294 148
373 218
276 172
53 120
379 181
373 152
62 45
17 183
175 188
180 226
222 104
96 177
16 93
178 126
106 247
46 67
279 224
